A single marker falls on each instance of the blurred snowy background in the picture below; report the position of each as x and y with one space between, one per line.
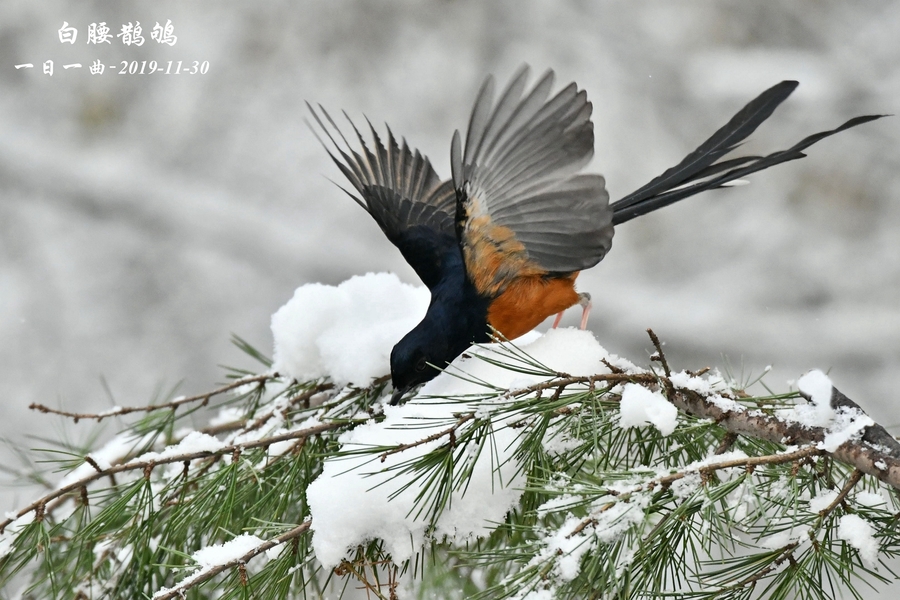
143 219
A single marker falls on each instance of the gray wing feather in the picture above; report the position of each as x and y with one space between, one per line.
520 165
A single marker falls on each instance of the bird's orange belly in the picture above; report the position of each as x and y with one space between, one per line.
528 301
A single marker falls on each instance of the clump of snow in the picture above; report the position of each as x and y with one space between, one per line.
848 423
871 499
843 424
640 406
193 442
345 331
816 386
823 500
685 487
216 555
360 498
783 538
709 387
220 554
568 548
610 523
857 532
685 381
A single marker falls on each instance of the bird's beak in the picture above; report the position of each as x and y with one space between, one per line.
397 396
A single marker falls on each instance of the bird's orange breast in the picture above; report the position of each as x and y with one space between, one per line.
527 301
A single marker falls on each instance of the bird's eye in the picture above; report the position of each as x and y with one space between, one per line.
421 364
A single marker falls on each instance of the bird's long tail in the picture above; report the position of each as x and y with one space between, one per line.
702 170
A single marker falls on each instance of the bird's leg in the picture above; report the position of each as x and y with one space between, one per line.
584 299
585 302
557 319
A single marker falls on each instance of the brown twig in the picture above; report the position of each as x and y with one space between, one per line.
196 579
727 442
854 478
660 355
174 404
450 431
785 553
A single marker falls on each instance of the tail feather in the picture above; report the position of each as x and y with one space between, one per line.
700 171
719 144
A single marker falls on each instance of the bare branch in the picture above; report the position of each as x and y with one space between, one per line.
118 412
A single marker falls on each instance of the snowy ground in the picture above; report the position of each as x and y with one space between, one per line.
145 218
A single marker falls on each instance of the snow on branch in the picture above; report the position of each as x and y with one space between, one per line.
546 467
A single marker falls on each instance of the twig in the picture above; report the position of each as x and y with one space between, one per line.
784 554
196 579
434 436
118 412
854 478
727 442
661 357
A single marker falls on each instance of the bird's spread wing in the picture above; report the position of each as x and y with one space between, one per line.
523 208
400 189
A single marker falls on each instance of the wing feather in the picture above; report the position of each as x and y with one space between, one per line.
400 190
522 199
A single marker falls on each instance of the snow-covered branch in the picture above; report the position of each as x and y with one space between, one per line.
544 468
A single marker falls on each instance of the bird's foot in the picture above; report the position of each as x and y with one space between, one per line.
585 303
584 300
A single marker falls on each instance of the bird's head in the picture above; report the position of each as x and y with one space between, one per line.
418 358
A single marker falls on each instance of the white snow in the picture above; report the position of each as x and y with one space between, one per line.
345 331
857 532
220 554
568 548
871 499
351 502
818 412
640 406
822 500
783 538
686 381
842 424
217 555
848 424
193 442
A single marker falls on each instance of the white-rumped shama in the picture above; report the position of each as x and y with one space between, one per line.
499 245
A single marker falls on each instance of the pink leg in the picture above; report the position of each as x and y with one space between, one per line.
557 320
586 310
585 302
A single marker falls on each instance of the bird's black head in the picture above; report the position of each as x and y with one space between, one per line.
418 358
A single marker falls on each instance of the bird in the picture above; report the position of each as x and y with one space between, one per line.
501 242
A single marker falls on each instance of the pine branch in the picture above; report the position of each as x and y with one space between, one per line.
147 466
634 509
